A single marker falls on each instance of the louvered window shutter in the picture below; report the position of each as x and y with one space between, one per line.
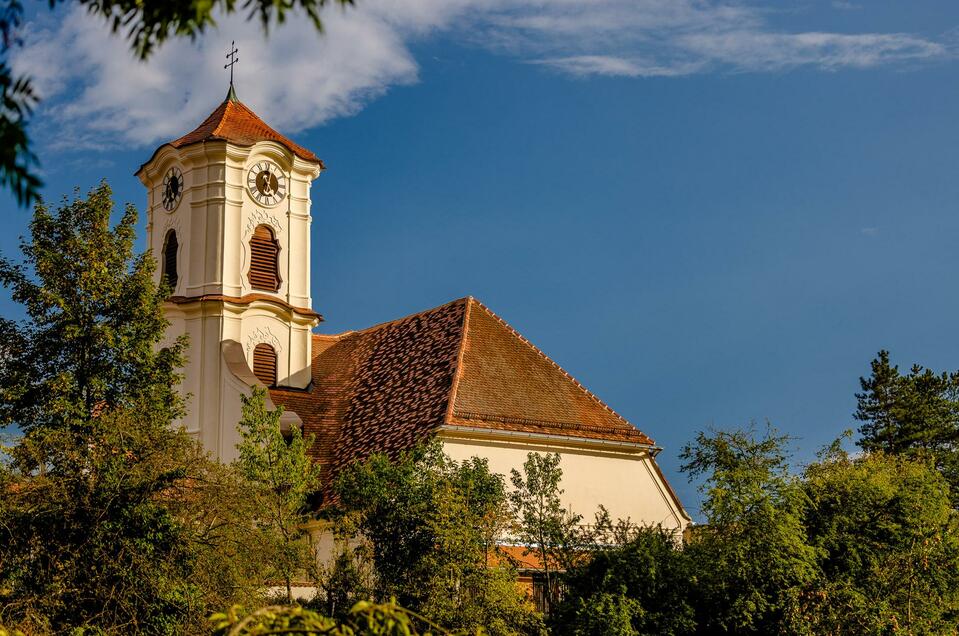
264 252
169 259
264 364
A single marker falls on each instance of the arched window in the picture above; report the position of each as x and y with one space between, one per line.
264 253
170 246
264 364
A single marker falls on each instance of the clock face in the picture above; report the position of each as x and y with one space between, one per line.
267 183
172 188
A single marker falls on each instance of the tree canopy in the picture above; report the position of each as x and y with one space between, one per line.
915 414
110 518
434 527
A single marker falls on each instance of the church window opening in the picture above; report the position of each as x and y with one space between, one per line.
264 260
264 364
170 246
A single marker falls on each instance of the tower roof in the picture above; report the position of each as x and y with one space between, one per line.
234 122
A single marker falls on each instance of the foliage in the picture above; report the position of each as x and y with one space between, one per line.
547 529
889 540
282 476
916 414
95 321
752 555
108 511
146 24
642 585
348 577
364 619
432 527
88 539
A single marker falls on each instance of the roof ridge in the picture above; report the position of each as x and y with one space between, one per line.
540 353
458 369
216 129
381 325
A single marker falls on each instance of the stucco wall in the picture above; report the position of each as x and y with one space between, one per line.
626 483
214 222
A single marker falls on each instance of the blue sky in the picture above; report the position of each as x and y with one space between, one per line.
708 213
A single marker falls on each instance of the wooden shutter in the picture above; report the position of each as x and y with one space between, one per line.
264 364
264 250
170 246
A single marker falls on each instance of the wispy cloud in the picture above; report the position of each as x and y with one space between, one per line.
584 65
869 231
298 79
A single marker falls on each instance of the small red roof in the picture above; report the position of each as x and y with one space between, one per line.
234 122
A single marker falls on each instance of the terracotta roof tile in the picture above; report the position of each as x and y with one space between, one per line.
388 387
233 121
506 383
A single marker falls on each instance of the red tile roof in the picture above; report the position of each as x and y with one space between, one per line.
506 383
388 387
233 121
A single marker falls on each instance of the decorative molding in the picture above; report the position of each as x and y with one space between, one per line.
262 217
262 335
248 299
172 223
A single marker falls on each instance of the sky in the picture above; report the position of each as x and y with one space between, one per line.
710 213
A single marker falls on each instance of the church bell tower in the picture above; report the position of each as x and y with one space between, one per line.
228 220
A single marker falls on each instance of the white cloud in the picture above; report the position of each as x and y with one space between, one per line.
753 51
298 78
584 65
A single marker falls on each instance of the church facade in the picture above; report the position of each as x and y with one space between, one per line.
229 218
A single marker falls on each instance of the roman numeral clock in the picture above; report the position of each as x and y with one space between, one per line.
267 183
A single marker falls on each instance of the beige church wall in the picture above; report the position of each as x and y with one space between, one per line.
216 218
213 383
291 341
214 221
625 483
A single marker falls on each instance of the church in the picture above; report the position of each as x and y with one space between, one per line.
229 218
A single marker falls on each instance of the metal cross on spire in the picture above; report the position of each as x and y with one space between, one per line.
233 60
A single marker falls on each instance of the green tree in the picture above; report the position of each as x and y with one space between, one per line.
111 519
94 324
549 531
146 24
752 556
432 527
363 619
283 476
641 586
915 414
94 530
889 544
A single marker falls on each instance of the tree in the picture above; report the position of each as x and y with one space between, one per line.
86 539
432 527
751 556
106 509
889 544
283 476
146 24
363 619
641 586
548 530
914 414
95 322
